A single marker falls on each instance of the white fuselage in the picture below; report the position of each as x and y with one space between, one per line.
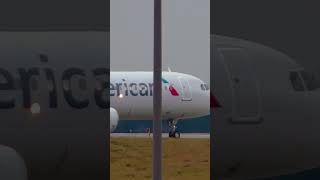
131 95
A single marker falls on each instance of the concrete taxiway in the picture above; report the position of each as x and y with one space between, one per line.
164 135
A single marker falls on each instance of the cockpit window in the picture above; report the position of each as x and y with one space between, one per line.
296 81
204 87
207 87
310 80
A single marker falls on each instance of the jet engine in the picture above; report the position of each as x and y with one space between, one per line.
114 119
11 164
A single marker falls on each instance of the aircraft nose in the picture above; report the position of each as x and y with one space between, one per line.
204 103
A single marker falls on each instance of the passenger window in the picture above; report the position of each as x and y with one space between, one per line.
296 81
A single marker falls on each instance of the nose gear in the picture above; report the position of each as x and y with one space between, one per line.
173 132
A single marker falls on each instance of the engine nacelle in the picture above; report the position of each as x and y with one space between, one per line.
114 119
12 165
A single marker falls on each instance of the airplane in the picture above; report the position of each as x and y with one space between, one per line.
55 94
131 97
265 119
54 106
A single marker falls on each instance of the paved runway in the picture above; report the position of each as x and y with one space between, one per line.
164 135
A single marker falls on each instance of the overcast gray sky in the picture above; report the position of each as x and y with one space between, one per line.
186 36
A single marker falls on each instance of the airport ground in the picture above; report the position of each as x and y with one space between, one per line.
183 159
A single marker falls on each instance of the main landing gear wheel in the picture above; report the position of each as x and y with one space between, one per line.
173 133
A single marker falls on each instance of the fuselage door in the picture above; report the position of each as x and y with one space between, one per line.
186 90
245 90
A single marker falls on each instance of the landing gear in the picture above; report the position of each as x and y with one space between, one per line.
173 133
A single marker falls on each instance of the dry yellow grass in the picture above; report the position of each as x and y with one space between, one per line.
183 159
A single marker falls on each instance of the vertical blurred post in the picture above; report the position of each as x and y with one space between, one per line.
157 99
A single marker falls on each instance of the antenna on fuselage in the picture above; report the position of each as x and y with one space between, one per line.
169 70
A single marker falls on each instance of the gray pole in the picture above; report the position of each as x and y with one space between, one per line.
157 99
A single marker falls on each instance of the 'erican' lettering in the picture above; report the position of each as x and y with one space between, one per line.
73 80
132 89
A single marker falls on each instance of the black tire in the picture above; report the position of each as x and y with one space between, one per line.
177 134
172 134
